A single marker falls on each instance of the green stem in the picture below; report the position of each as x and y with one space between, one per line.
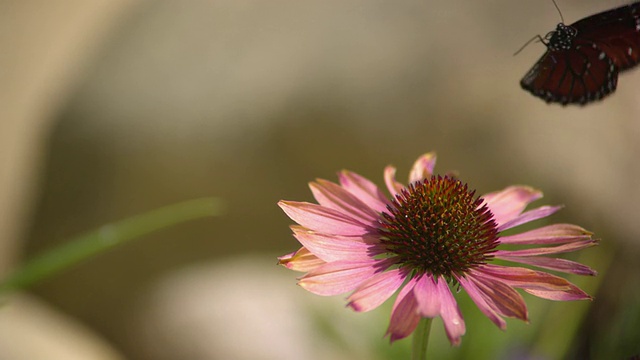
107 237
421 339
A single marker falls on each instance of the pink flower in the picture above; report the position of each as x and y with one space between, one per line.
434 232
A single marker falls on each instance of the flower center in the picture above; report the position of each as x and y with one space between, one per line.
437 226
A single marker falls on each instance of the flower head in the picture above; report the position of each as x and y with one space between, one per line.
431 233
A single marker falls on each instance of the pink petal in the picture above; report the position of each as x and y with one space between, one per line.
322 219
334 247
375 291
575 294
301 260
574 246
562 265
341 276
529 216
423 167
393 186
435 299
507 204
364 190
334 197
450 313
476 295
537 283
507 300
428 296
551 234
404 315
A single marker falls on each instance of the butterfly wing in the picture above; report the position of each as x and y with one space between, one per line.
577 75
616 32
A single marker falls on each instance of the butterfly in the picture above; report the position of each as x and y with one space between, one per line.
583 59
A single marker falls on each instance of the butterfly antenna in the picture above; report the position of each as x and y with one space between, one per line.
559 12
527 43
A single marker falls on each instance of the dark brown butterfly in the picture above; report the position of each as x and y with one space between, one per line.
583 59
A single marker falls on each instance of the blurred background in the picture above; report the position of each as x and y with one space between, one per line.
112 108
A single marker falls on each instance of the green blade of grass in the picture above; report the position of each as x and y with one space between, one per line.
106 237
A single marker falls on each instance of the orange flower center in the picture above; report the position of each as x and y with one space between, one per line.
437 226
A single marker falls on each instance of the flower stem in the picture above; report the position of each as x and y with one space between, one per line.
105 238
421 339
